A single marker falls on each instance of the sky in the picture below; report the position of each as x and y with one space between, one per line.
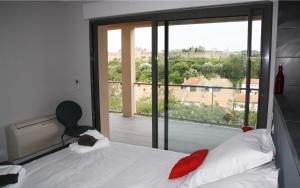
229 36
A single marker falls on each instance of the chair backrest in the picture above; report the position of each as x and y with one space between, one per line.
68 113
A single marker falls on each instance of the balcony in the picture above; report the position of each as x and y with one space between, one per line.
199 116
184 136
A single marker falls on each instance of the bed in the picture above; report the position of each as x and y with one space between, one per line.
130 166
121 165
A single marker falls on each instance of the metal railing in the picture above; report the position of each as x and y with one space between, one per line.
206 104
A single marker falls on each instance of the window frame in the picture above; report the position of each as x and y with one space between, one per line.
263 9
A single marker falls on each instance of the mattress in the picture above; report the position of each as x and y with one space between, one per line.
117 166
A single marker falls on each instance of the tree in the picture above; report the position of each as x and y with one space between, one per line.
201 49
207 70
145 76
255 67
190 73
161 69
115 98
143 70
114 70
196 66
175 78
218 69
234 69
181 67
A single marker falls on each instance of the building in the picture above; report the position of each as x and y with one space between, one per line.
254 84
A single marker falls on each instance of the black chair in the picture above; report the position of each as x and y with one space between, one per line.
69 113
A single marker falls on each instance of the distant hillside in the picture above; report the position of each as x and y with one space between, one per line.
191 52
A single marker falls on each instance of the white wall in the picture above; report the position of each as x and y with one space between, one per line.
44 47
122 7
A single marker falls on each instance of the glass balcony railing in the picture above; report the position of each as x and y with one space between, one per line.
115 96
223 106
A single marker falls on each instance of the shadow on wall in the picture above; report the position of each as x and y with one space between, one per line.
3 149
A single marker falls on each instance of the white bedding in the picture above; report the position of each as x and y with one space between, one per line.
117 166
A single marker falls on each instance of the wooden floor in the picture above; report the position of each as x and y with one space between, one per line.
183 136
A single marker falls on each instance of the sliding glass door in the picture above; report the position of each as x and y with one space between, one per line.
126 58
211 80
206 69
181 80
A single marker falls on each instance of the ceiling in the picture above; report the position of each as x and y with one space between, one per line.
83 0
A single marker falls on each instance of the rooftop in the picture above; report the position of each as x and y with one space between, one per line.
252 81
202 81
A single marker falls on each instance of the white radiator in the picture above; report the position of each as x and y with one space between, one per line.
30 137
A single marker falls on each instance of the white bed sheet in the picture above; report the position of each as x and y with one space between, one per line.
117 166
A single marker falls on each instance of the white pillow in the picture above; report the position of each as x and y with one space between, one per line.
96 134
101 143
238 154
253 178
9 169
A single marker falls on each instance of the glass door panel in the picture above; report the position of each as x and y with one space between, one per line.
143 84
207 66
161 89
255 71
130 82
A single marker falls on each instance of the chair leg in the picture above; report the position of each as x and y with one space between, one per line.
62 139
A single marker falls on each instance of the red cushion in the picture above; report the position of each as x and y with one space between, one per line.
188 164
246 128
200 152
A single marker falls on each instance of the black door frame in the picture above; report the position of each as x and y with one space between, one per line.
263 9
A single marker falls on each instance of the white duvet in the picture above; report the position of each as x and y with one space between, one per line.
116 166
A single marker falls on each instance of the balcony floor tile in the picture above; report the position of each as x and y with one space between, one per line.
184 136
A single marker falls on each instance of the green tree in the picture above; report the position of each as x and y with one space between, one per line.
145 76
180 67
175 77
255 67
234 69
161 69
143 70
218 69
207 70
114 70
190 73
115 97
